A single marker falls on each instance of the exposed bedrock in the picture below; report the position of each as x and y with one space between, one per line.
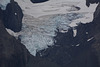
12 16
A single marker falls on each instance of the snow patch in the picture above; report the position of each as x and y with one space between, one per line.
90 39
87 33
15 13
64 31
77 45
74 32
12 33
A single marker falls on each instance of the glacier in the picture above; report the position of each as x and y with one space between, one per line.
41 20
38 35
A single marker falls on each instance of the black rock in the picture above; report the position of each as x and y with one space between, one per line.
38 1
13 17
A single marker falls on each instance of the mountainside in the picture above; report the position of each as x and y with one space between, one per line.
77 46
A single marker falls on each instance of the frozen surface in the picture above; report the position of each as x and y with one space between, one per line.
41 20
3 4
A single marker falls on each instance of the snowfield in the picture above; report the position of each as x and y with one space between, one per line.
41 20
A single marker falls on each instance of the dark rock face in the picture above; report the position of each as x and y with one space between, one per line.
12 52
38 1
13 17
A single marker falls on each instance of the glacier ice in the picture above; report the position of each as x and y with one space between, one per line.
37 34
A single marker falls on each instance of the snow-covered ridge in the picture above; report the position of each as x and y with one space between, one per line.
3 4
